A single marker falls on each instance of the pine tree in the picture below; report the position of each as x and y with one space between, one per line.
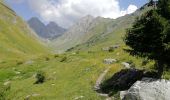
150 37
164 8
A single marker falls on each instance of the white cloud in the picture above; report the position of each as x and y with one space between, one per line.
129 10
67 12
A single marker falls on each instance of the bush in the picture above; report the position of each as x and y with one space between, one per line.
40 77
56 55
63 59
144 62
47 58
19 62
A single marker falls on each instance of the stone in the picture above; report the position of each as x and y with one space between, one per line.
29 62
115 46
122 94
110 48
17 72
7 83
122 80
80 97
149 89
27 97
126 65
105 49
109 61
35 95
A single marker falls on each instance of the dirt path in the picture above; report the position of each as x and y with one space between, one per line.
100 79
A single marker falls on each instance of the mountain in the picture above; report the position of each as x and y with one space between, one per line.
90 29
38 27
49 31
16 38
78 33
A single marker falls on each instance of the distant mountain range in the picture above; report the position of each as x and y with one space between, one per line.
91 29
49 31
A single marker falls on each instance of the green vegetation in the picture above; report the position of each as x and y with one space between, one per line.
40 77
149 36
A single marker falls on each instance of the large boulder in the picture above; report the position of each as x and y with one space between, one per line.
122 80
148 89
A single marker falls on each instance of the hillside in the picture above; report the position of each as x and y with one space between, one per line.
17 39
49 31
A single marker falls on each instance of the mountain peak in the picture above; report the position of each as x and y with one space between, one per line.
49 31
34 19
52 23
87 17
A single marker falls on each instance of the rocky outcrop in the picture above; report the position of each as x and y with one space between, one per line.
148 89
122 80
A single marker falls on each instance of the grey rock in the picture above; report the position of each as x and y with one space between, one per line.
78 98
29 62
105 49
149 89
110 48
27 97
126 65
115 46
17 72
109 61
34 95
122 94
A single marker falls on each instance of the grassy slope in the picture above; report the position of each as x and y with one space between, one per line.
17 40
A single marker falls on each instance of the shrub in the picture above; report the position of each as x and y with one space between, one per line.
63 59
56 55
144 62
47 58
19 62
40 77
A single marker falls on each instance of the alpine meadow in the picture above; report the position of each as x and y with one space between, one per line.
84 50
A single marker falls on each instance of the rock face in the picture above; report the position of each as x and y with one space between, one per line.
51 30
149 89
54 30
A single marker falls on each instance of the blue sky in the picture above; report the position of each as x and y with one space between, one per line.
32 8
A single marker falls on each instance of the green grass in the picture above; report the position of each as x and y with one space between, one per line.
74 77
